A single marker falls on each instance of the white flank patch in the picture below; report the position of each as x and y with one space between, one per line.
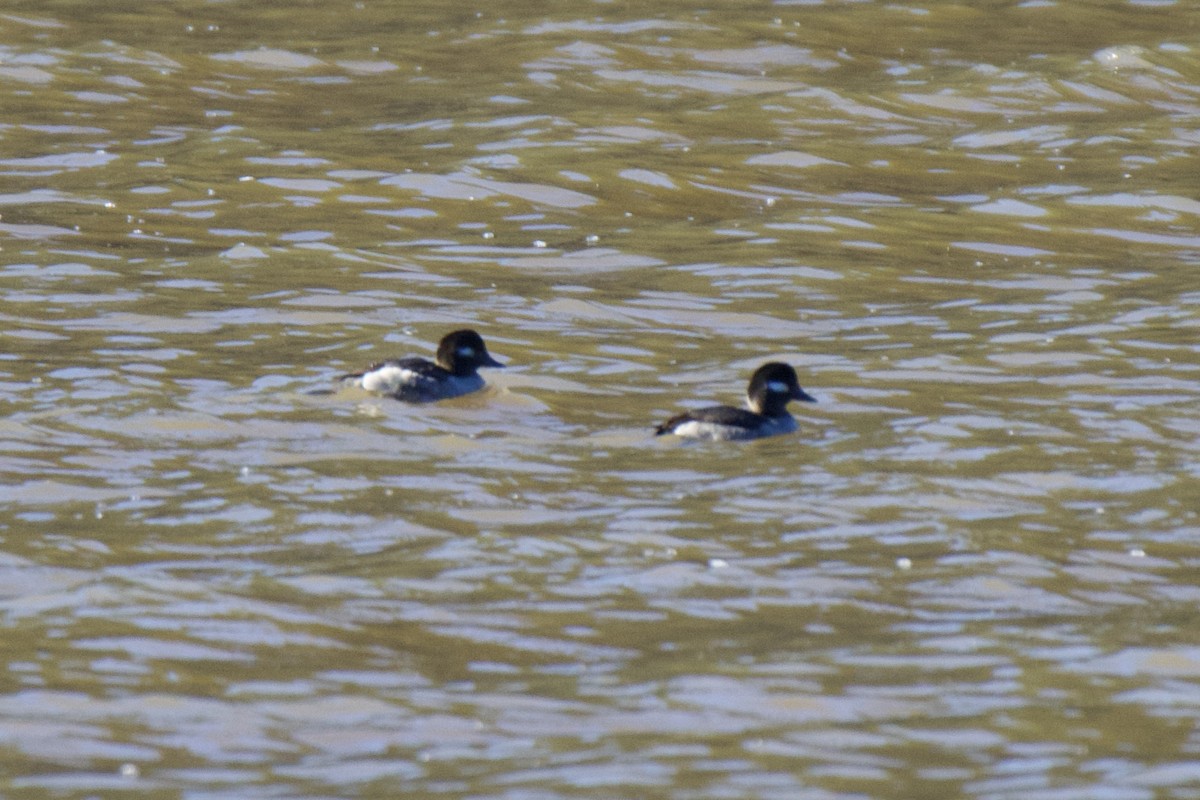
693 429
387 379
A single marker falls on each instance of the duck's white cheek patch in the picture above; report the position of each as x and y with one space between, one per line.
778 388
386 379
466 352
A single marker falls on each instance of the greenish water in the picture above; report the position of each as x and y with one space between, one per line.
971 228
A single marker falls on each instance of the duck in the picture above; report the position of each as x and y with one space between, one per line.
414 379
772 387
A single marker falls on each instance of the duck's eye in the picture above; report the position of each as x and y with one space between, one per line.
778 388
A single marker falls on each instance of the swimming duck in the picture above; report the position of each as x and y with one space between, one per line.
772 387
418 380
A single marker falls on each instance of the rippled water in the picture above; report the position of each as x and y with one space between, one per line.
972 228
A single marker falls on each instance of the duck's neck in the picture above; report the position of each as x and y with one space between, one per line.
769 405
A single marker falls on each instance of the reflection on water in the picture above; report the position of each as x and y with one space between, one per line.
969 575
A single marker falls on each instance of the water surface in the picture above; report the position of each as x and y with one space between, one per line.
971 228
